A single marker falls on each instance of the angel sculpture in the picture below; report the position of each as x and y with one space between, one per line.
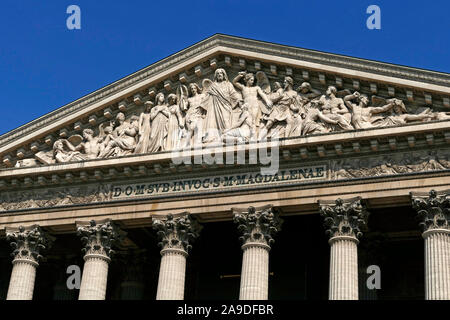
193 107
251 93
144 129
334 108
398 114
175 123
362 114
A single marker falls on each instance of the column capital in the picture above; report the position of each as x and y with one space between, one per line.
28 243
433 210
98 237
176 232
343 218
257 225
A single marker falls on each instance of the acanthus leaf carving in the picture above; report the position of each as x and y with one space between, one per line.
344 217
98 237
257 225
28 243
433 209
177 232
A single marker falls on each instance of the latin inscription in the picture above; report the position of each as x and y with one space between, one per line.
219 182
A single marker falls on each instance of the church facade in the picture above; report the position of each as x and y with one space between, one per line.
234 169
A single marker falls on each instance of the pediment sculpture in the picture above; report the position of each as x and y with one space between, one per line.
247 108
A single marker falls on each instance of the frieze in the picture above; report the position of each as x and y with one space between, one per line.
219 183
382 165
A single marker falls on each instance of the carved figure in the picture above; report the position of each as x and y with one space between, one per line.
251 94
175 124
335 109
144 129
244 129
283 102
194 115
361 113
123 138
159 117
221 98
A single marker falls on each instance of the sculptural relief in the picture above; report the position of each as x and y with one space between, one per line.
220 99
195 115
123 139
175 124
421 161
256 99
213 113
159 117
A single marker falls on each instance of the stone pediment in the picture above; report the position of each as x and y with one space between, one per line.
319 106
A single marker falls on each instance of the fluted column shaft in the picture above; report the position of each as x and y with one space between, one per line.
21 285
172 275
433 210
95 277
98 238
255 272
437 264
343 268
343 220
176 234
257 226
27 242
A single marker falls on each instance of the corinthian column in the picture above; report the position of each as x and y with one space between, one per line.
257 226
176 234
97 238
343 220
27 243
434 213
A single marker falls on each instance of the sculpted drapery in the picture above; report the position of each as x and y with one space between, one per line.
221 98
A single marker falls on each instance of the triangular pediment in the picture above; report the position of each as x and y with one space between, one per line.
33 144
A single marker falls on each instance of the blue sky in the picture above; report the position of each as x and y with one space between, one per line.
43 65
